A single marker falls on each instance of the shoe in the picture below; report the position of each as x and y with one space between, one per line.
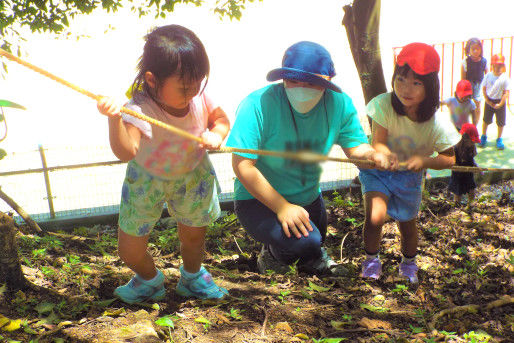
483 141
139 290
372 268
324 265
409 270
201 286
499 144
266 261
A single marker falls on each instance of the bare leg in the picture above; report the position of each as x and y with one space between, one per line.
132 251
476 115
471 196
192 246
409 237
500 131
484 128
457 199
375 206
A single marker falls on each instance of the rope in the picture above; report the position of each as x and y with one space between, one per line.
303 156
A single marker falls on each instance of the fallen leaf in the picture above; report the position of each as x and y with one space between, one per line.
283 326
374 324
317 288
115 312
13 325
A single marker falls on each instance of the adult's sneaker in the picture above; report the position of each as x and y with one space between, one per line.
200 286
371 268
139 290
409 270
266 261
324 265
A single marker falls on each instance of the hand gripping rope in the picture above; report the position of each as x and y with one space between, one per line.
303 156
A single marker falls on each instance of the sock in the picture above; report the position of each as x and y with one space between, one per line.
152 280
189 275
369 256
406 259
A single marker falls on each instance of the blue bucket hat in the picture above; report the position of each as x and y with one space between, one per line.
307 62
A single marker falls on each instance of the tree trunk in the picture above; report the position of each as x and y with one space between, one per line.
361 21
10 267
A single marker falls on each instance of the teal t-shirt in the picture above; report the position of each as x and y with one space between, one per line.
264 121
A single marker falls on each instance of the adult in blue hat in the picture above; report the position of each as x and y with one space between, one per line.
278 201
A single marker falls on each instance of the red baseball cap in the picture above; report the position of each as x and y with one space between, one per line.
471 130
464 89
420 57
498 59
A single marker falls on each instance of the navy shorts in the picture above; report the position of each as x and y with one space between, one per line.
489 112
262 224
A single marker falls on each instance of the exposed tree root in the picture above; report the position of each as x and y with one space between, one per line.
506 300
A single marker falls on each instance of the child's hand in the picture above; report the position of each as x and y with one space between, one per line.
415 163
385 161
294 219
109 107
211 140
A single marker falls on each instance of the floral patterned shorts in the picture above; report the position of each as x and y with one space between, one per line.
191 198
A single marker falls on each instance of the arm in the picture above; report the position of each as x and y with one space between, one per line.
293 218
503 101
462 72
124 138
378 152
218 125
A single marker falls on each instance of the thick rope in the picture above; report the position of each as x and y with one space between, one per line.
305 156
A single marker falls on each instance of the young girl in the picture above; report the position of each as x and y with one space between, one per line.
473 69
496 88
164 167
405 128
465 152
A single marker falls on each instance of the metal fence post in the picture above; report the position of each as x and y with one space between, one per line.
47 182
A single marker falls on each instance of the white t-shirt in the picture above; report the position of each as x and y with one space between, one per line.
407 138
495 85
161 152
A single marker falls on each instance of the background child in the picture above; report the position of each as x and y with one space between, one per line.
496 87
406 128
465 152
461 106
165 167
473 69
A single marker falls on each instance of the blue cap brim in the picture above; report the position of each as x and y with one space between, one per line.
300 75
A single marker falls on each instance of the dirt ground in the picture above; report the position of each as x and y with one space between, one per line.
465 293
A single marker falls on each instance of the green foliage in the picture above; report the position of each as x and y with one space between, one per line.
54 16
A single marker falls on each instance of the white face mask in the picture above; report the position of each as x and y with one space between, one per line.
303 99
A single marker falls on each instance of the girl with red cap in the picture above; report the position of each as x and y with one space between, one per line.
406 129
496 88
465 152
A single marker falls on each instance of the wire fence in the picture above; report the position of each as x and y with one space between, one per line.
60 183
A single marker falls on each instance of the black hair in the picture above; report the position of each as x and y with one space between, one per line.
171 50
429 105
472 41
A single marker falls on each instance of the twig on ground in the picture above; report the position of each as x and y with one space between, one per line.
341 248
238 247
264 322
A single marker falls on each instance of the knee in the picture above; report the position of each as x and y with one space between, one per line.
375 220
